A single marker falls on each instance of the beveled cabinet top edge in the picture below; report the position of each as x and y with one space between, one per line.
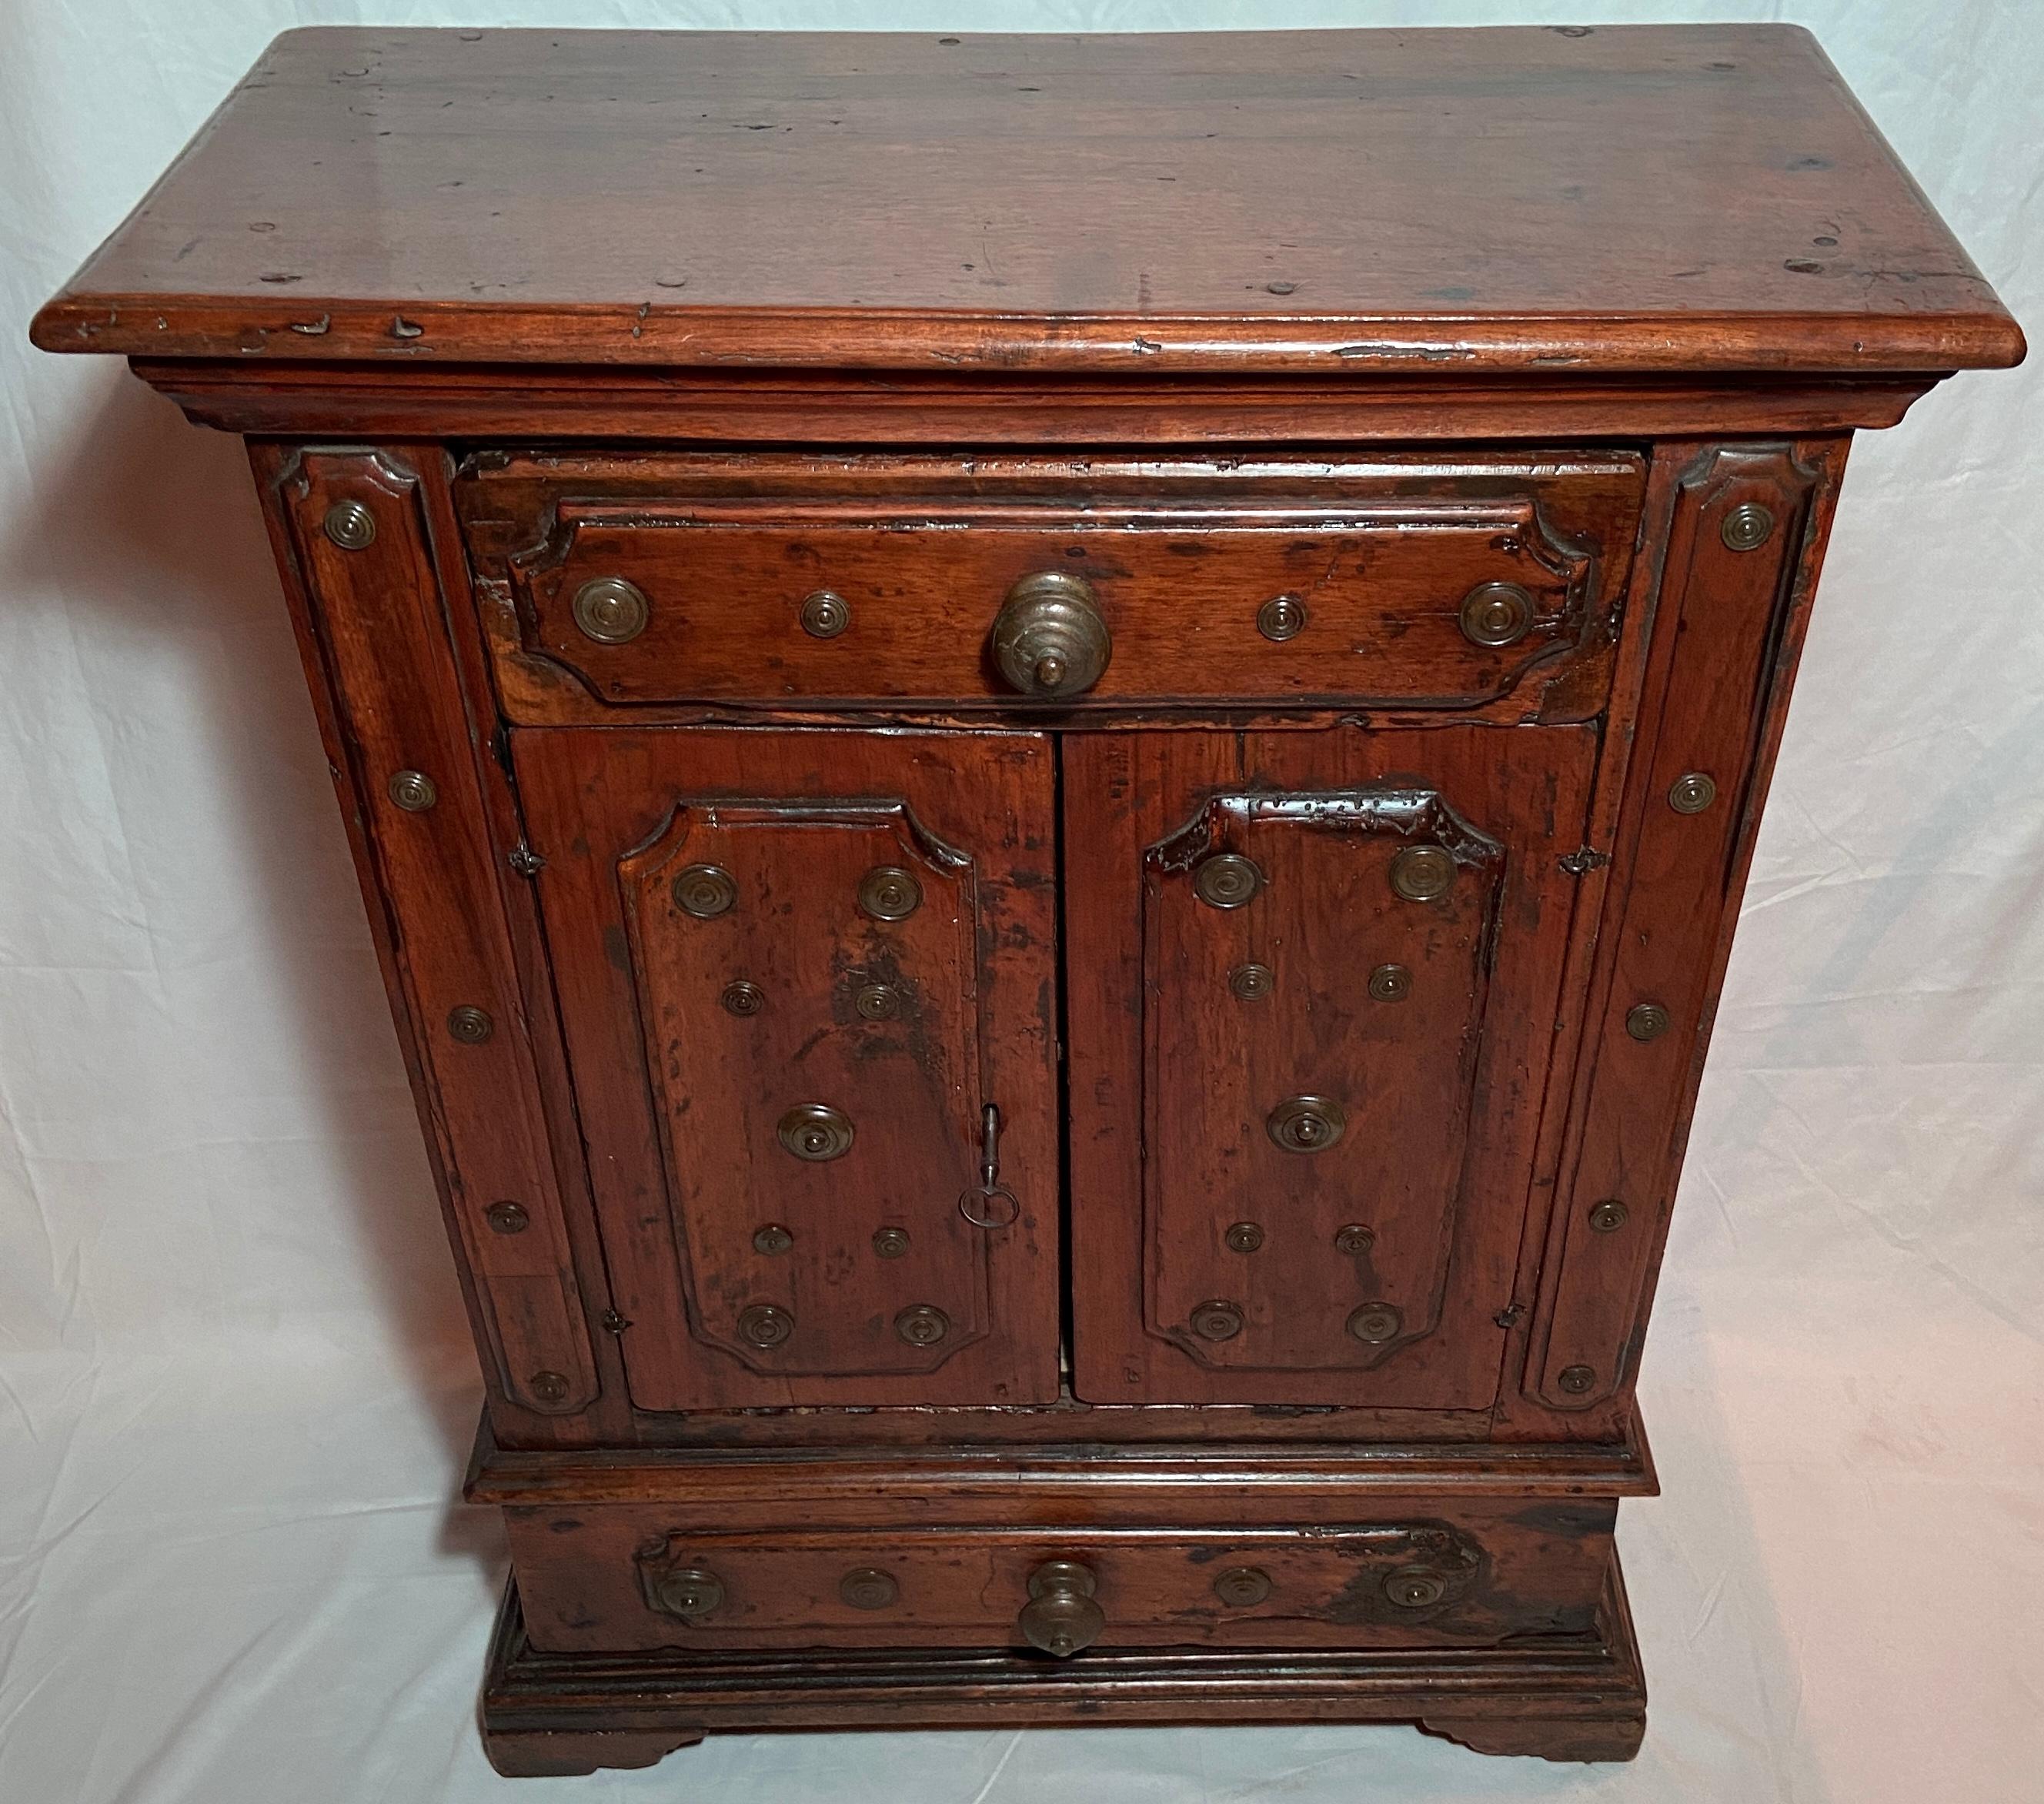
1614 200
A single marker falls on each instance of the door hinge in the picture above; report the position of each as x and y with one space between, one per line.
523 859
1576 863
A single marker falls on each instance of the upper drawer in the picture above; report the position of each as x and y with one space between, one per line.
806 583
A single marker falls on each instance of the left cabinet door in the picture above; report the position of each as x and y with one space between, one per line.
808 979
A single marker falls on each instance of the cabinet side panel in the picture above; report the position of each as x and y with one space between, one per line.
1744 549
350 530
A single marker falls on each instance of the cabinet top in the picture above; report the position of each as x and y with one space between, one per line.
1619 199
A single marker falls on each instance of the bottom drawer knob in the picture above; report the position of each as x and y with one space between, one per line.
1060 1617
689 1592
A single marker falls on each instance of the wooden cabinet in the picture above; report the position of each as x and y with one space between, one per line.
1052 758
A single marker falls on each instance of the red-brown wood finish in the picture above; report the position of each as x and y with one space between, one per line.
1333 1429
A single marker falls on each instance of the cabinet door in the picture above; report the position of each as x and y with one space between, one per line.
1314 984
797 970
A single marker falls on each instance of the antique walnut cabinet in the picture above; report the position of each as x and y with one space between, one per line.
1052 743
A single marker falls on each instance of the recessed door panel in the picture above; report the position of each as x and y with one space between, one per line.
1303 1114
799 969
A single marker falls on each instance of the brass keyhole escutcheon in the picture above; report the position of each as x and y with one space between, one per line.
1281 618
689 1592
1242 1587
1415 1587
922 1324
611 610
350 524
705 891
1423 873
1050 638
1060 1617
815 1132
1226 879
1375 1323
1497 614
867 1587
1306 1124
762 1324
889 893
825 614
1217 1320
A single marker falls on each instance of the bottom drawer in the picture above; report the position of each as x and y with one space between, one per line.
616 1578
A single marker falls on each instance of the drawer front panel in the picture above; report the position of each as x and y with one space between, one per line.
619 1577
799 583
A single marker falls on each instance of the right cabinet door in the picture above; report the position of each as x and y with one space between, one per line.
1312 993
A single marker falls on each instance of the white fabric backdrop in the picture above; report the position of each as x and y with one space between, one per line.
234 1386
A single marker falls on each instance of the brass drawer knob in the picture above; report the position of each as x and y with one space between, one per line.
1375 1323
1050 638
889 893
1306 1124
689 1592
413 790
1496 613
1217 1320
825 614
922 1324
611 610
1416 1587
351 526
815 1132
1060 1617
1281 618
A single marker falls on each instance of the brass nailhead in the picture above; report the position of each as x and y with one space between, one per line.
1217 1321
740 998
1692 792
611 610
705 891
867 1587
1375 1323
1747 527
350 524
1244 1236
1251 982
1423 873
772 1238
1646 1021
548 1387
1390 983
922 1324
877 1001
825 614
1607 1217
763 1325
470 1024
1281 618
1241 1587
413 790
1497 614
889 893
1226 880
1576 1379
507 1217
